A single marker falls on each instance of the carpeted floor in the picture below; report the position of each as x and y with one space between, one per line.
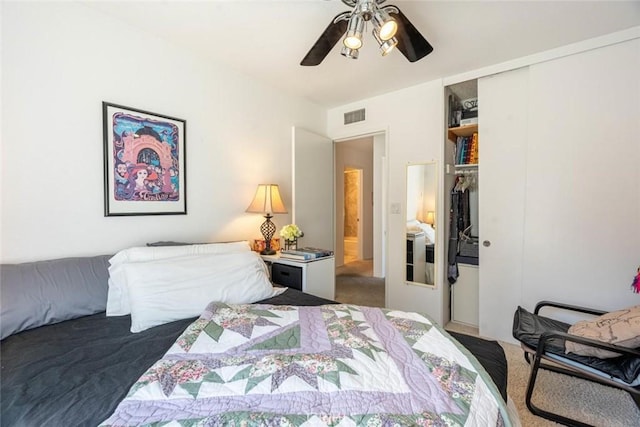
355 284
583 400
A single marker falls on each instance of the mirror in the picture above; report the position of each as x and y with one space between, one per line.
420 229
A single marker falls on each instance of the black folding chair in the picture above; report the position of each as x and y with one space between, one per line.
543 339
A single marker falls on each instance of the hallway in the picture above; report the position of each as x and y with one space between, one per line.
355 284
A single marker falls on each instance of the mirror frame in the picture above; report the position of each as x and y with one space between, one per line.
418 206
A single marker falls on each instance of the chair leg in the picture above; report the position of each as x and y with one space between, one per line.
540 412
636 398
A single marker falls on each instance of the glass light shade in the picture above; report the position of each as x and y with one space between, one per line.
385 24
353 39
388 30
267 200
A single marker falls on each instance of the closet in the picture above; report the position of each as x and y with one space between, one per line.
485 293
555 219
461 200
488 256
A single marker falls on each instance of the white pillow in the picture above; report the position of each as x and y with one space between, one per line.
413 225
429 232
117 295
163 291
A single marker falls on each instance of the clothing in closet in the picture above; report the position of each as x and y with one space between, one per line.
460 223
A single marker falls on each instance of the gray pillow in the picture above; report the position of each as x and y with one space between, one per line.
169 243
40 293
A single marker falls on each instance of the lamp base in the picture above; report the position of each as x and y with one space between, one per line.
267 229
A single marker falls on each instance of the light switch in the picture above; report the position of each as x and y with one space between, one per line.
395 208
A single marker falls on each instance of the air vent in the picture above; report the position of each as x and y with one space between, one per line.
354 116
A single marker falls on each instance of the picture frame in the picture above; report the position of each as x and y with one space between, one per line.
144 162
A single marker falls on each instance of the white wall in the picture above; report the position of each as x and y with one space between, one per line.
379 205
413 119
582 199
59 62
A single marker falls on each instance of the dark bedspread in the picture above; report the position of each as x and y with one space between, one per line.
76 372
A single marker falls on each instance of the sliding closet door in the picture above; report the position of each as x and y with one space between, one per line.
502 100
312 188
582 233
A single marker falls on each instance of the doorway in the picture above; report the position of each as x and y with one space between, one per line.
318 203
358 219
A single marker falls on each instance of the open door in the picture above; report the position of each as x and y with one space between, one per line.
312 188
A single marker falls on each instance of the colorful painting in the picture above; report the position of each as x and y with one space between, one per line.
144 162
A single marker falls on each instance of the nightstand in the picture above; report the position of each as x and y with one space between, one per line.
416 257
316 277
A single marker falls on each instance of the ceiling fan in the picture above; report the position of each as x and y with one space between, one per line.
390 29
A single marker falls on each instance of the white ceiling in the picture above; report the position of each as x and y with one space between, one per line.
267 39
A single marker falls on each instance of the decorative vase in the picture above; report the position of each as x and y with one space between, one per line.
290 244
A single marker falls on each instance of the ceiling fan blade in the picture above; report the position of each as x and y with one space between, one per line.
410 42
326 41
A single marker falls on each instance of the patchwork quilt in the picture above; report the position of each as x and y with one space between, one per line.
333 365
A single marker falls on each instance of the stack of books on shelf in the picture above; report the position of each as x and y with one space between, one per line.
305 254
467 150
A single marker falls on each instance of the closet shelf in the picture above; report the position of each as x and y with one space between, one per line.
466 172
468 130
467 165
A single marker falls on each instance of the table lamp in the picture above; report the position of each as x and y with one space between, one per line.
267 201
430 219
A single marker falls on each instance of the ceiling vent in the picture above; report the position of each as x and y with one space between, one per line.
354 116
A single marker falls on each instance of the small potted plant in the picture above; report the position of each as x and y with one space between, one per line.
290 234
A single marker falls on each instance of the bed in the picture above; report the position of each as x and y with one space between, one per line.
83 371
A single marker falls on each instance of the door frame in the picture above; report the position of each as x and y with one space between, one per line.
359 208
360 213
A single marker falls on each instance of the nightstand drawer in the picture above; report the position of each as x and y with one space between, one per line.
287 275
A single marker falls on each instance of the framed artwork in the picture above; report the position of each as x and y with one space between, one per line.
144 162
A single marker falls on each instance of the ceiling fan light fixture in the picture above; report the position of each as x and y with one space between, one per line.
353 39
386 46
349 53
385 24
391 28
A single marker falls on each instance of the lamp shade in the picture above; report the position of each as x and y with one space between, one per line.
267 200
430 218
